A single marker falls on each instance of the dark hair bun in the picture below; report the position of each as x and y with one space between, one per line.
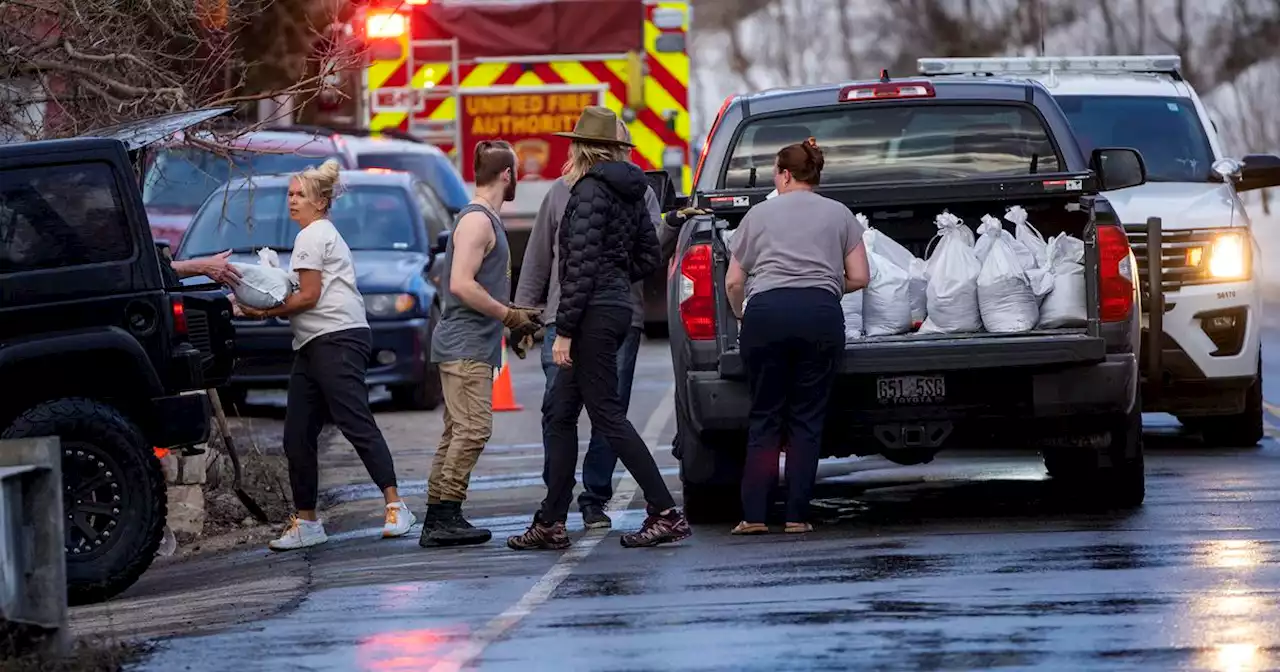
803 160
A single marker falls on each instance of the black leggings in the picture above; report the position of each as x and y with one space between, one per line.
593 381
792 341
328 384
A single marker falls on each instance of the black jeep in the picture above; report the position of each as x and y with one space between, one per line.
99 343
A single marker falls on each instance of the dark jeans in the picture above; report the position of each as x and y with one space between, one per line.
791 364
601 460
328 385
593 381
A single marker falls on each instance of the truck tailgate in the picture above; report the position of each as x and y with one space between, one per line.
954 352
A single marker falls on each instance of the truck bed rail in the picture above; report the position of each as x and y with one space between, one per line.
952 352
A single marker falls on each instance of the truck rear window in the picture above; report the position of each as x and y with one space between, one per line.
900 143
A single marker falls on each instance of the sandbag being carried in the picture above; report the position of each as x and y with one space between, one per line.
886 300
263 285
1005 297
1027 234
991 230
951 295
851 306
1065 304
902 257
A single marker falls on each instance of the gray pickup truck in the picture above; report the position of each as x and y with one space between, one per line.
900 152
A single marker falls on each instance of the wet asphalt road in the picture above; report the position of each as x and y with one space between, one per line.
971 562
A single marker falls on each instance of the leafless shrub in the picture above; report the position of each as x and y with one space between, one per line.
67 66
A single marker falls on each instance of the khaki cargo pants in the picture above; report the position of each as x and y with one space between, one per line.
468 423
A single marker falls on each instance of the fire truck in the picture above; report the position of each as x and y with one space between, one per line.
455 72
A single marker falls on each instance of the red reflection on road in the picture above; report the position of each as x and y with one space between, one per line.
405 649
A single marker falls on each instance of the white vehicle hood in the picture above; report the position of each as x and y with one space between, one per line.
1180 205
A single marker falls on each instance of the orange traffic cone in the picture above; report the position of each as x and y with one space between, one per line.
504 397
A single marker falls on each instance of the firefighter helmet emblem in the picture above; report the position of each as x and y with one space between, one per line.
532 154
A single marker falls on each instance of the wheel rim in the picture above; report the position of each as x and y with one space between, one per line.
92 499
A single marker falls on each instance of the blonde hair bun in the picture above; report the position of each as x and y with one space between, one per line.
321 183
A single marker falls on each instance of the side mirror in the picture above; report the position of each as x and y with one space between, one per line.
1258 171
1118 168
442 242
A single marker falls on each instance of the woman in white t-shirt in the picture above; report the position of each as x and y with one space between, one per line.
331 342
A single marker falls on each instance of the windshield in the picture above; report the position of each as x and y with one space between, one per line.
368 217
1166 131
182 177
900 143
433 169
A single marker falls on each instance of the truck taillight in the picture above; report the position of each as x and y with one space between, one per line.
380 25
179 315
697 298
1115 274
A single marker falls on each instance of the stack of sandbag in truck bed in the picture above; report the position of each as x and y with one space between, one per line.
951 295
1064 306
894 300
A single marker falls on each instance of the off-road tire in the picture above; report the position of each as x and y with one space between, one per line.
428 394
718 498
1113 476
85 426
1241 430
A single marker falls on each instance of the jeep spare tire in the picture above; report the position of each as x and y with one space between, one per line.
114 500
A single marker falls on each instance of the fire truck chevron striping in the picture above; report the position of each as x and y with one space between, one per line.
422 86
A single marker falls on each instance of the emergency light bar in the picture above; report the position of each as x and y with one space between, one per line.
1168 65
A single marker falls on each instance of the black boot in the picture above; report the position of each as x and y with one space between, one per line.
454 530
430 523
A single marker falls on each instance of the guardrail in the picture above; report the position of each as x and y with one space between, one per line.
33 589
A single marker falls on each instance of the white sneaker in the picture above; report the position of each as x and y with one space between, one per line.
398 521
299 534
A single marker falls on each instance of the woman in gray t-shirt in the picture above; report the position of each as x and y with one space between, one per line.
794 256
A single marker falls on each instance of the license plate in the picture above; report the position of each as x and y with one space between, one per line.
911 389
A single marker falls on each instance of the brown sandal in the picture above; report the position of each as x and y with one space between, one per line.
745 528
798 528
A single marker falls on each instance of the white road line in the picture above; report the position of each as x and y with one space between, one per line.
541 591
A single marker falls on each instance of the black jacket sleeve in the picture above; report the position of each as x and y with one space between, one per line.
579 252
646 253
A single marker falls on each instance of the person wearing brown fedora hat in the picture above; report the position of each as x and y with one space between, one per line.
540 286
606 241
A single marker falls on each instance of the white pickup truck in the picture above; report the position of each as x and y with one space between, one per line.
1207 368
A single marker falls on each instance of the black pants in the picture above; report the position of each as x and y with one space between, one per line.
792 341
593 381
328 385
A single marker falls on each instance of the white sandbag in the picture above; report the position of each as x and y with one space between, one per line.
1065 304
1027 234
263 285
902 257
1005 299
851 306
886 300
991 230
951 294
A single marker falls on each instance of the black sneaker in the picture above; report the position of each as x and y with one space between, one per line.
541 536
594 517
659 529
430 523
454 530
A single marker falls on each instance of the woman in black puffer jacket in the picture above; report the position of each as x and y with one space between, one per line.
607 242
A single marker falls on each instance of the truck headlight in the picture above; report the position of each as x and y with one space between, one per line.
1229 257
388 305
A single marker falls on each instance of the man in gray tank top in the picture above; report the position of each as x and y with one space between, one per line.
467 345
